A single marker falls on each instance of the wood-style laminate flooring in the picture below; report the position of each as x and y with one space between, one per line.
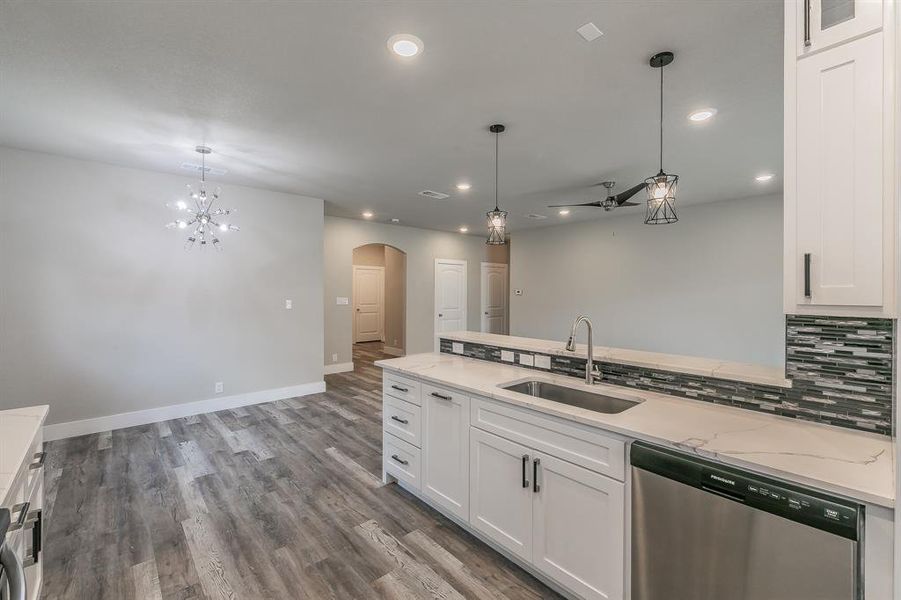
279 500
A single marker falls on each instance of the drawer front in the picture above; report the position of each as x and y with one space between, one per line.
573 442
403 420
443 394
402 460
401 387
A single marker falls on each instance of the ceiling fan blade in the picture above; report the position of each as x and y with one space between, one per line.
595 203
628 204
621 198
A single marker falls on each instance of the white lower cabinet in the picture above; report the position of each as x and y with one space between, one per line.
501 492
578 528
445 464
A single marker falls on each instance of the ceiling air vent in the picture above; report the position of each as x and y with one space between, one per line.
198 168
433 194
535 216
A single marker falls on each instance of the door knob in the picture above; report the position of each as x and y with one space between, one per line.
440 315
358 310
486 313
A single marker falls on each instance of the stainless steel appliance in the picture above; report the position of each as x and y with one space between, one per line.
704 531
12 576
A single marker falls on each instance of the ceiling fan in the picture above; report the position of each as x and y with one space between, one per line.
611 201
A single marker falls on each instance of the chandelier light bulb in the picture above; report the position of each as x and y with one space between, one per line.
223 227
182 224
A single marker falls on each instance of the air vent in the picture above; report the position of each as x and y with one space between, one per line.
198 168
433 194
535 216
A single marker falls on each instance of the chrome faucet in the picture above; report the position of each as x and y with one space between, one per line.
592 373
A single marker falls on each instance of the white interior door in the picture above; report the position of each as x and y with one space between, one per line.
369 304
494 298
450 296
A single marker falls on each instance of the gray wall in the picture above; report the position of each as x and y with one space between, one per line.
422 246
395 297
103 312
709 285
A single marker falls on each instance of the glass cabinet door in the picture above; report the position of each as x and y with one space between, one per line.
825 23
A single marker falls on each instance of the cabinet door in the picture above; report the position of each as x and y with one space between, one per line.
501 492
445 457
825 23
579 529
840 175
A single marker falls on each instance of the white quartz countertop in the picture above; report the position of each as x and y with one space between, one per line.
853 464
677 363
18 429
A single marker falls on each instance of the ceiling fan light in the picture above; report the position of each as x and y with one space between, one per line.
661 209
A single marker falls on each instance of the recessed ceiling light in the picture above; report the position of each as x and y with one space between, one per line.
405 45
464 229
464 187
563 212
764 177
702 115
395 220
367 214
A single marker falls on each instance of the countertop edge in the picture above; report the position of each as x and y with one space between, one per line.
795 477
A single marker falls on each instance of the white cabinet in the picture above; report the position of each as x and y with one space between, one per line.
501 492
578 528
824 23
445 464
839 192
839 176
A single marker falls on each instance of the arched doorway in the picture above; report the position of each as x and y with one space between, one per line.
379 299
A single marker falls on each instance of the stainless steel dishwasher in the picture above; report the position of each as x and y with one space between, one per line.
704 531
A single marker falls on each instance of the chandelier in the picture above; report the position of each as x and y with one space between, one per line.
199 214
661 187
497 218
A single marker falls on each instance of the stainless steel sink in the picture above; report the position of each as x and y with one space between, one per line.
573 397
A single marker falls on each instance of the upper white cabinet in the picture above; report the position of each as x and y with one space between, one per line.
824 23
445 457
840 236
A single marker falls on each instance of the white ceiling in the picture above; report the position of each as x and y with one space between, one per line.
305 97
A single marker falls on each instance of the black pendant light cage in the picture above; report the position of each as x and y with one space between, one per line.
661 187
497 218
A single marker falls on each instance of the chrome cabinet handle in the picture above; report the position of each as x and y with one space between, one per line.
807 293
536 487
395 457
399 389
399 420
39 461
23 516
525 477
806 23
441 396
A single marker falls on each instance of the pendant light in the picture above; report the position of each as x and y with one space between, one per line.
497 218
661 187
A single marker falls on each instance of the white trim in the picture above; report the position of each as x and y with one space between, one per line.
164 413
394 351
337 368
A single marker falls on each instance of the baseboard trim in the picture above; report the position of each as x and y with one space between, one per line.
60 431
337 368
394 351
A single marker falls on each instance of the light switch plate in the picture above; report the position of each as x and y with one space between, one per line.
289 304
542 361
341 300
507 355
526 359
457 348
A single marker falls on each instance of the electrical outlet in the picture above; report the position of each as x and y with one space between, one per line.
457 348
220 387
335 357
542 361
289 304
507 355
526 359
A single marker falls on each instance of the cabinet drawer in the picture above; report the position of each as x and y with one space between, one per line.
401 460
573 442
401 387
445 394
403 420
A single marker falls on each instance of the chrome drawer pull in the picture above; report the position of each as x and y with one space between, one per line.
23 516
399 420
399 389
441 396
39 461
399 459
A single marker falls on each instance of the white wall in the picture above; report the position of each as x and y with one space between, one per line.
422 246
103 312
709 285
